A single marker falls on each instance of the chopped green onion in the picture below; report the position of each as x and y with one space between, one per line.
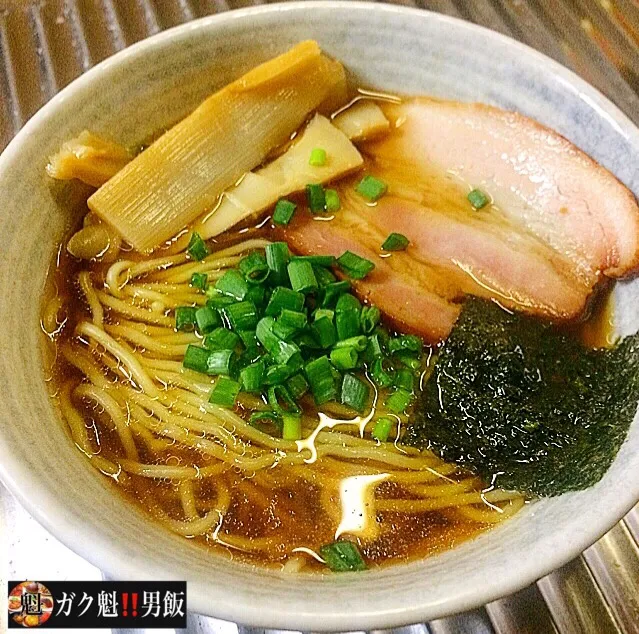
241 316
333 291
280 399
370 318
294 318
382 429
398 401
318 157
233 284
224 392
266 415
287 353
277 257
282 298
207 319
324 332
478 199
302 277
354 393
220 362
320 377
196 358
323 275
221 339
404 380
409 360
380 374
249 339
342 556
276 374
317 260
374 348
216 299
371 188
395 242
315 198
284 210
284 331
354 266
256 294
197 248
359 342
348 311
199 280
332 200
344 358
291 427
265 335
254 268
297 385
324 312
252 376
185 318
405 343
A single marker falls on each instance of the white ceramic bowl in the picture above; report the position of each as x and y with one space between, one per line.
149 86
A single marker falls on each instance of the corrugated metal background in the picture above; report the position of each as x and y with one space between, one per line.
44 45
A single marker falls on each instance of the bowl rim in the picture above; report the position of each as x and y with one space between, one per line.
101 553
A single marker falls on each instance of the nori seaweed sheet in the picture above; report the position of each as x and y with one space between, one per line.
524 405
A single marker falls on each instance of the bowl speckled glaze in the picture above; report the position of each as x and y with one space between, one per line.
152 84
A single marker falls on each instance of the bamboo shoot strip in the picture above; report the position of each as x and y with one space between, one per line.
182 174
289 173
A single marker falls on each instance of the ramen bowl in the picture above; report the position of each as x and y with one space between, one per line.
151 85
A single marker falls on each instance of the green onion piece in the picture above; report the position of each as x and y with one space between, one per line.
354 393
323 275
291 427
354 266
333 291
241 316
395 242
324 332
284 210
332 200
308 341
342 556
277 374
370 318
371 188
319 374
380 373
409 360
315 198
216 300
254 268
249 339
324 312
265 415
224 392
280 399
297 385
221 339
478 199
220 362
282 298
197 248
302 277
382 429
252 376
359 342
294 318
284 331
196 358
277 257
287 353
405 343
257 295
374 348
185 318
207 319
318 157
404 380
344 358
248 357
347 320
233 284
199 280
265 335
317 260
398 401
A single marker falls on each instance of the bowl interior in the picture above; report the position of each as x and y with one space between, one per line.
150 86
